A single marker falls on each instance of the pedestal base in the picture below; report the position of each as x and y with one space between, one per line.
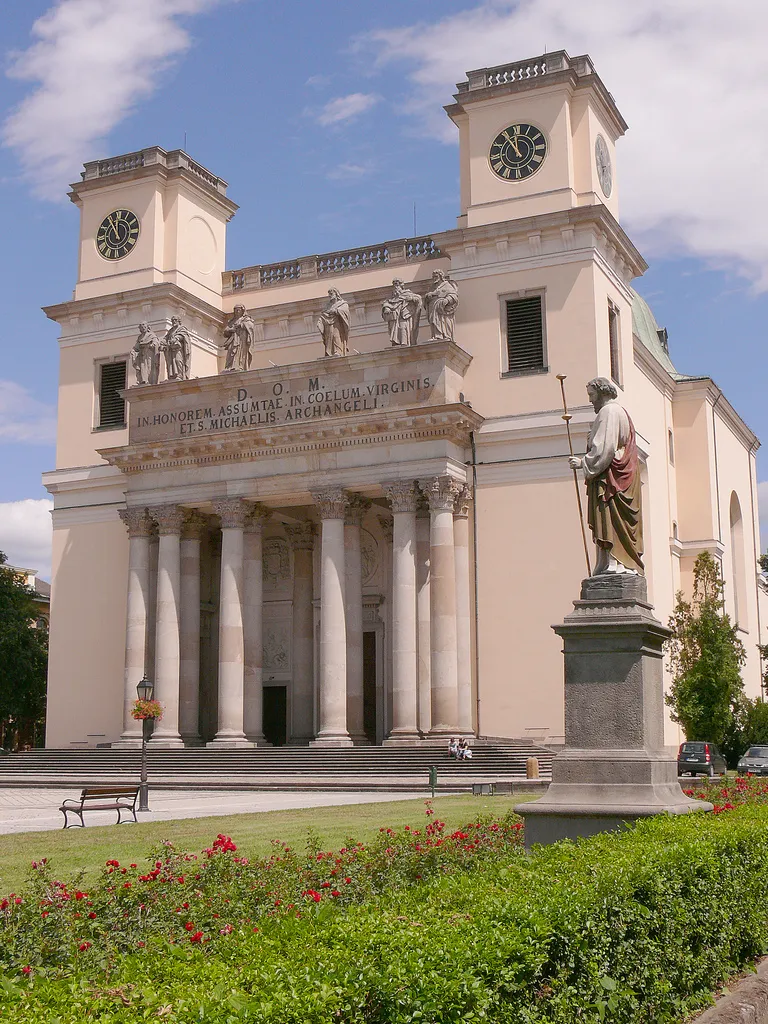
332 741
163 743
229 744
404 738
131 744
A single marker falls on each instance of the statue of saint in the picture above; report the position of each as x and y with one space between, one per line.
402 312
145 355
177 346
239 335
613 483
333 324
440 305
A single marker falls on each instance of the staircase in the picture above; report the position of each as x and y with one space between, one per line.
284 768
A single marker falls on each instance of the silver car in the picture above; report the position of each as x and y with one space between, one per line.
754 762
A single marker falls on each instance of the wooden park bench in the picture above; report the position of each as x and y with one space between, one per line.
101 798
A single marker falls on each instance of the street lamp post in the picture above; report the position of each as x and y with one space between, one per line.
145 690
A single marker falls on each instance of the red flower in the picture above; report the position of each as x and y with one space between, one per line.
189 926
83 946
197 937
92 915
313 895
26 970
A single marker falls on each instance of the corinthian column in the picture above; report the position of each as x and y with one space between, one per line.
169 519
253 610
463 611
422 614
233 513
356 509
441 493
302 539
140 528
403 497
192 529
332 503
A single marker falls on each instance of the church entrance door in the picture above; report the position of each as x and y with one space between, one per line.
369 685
275 715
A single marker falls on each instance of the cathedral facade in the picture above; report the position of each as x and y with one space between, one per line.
328 501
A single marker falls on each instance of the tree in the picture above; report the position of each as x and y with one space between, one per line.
23 654
707 693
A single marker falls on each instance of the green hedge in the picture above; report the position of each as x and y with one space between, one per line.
636 927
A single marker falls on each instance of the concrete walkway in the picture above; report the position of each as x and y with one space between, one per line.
36 810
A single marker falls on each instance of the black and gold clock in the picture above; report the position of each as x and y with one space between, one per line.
117 234
518 152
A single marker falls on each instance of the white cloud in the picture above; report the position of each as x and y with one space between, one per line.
24 418
25 534
344 108
689 78
91 62
349 172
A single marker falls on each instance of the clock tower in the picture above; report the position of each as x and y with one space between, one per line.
536 136
152 217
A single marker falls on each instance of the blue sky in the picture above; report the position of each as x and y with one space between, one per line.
326 119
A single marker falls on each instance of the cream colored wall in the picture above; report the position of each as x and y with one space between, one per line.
586 127
692 427
87 638
195 244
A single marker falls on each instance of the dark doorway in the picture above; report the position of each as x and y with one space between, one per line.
369 685
275 716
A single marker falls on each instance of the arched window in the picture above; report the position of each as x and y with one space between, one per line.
738 564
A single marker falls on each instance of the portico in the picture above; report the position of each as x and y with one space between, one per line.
285 536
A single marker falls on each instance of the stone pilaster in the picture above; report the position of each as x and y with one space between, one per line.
302 541
332 503
403 497
357 506
253 615
441 494
192 530
233 513
463 610
422 613
169 519
140 528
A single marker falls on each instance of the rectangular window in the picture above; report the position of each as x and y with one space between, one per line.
112 380
525 335
613 339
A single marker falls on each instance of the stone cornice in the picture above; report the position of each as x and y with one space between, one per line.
452 422
705 388
156 294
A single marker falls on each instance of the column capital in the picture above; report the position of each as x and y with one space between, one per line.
169 518
137 521
441 492
257 517
403 495
233 512
301 536
194 525
332 502
357 506
463 501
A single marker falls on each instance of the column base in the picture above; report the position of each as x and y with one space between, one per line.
125 743
337 740
166 743
229 743
359 739
258 741
403 738
192 741
445 732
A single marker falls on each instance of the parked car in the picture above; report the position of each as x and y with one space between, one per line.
696 757
754 762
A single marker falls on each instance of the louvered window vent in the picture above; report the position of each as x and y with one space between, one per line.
525 335
111 405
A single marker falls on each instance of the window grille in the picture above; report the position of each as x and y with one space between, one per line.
613 337
525 335
111 404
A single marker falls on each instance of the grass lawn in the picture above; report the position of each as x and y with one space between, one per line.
88 848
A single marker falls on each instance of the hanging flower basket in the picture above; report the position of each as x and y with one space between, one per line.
143 709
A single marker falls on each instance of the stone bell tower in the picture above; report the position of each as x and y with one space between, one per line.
536 136
151 217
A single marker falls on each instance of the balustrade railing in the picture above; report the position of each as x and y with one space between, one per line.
121 163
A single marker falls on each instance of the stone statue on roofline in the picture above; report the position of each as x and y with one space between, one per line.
612 473
441 304
333 324
145 356
402 312
177 348
239 336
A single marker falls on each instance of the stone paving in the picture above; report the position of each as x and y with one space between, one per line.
36 810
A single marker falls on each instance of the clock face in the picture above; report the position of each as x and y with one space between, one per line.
518 152
603 165
117 234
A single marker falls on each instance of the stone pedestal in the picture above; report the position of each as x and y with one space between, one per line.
615 768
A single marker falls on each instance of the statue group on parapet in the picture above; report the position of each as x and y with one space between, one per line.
176 347
239 336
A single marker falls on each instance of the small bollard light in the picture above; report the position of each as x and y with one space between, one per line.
532 768
433 779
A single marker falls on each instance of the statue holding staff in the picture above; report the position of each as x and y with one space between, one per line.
239 336
333 324
612 473
177 346
440 305
402 312
145 356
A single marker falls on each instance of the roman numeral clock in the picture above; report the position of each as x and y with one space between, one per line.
518 152
117 234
